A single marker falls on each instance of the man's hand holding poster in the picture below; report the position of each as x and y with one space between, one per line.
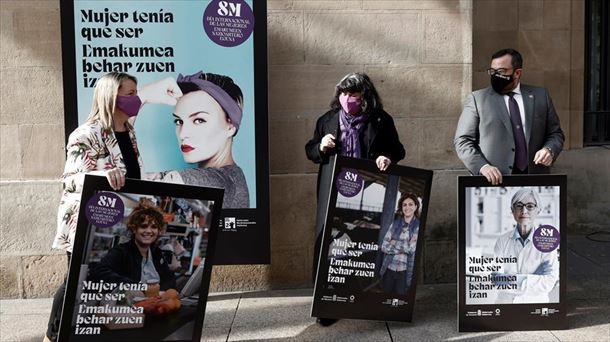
512 253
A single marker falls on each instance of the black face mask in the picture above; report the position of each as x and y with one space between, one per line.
499 82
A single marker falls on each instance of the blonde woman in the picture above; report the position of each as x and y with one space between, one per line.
104 145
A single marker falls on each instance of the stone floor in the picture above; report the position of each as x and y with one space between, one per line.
284 314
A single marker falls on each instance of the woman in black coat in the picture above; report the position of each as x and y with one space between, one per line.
355 126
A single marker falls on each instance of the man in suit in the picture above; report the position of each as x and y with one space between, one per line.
509 127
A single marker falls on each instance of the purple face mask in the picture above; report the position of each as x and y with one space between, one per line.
350 104
129 105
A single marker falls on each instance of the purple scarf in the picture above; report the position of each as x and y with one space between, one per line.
351 126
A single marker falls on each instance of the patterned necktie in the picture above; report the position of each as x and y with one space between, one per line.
518 135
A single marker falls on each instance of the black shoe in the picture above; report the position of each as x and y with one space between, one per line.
326 321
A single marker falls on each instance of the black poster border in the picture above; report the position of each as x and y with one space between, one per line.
258 233
384 313
513 317
95 184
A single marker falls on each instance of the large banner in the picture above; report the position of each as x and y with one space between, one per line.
141 264
183 42
512 255
372 242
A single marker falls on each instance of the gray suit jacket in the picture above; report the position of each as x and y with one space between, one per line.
484 133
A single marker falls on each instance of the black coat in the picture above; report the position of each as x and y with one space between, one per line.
378 138
123 264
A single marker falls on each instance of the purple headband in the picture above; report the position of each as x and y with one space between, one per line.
224 100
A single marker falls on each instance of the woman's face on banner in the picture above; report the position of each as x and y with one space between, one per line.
525 210
147 233
408 207
201 127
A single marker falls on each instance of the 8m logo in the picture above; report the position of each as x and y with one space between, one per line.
546 238
229 9
228 23
105 201
351 176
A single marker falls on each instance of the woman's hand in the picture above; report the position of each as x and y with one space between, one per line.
115 178
327 142
383 163
165 91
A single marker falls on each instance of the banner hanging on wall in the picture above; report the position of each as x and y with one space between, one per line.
372 241
512 253
201 68
141 265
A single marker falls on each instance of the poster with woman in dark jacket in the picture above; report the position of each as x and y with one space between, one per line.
141 262
140 259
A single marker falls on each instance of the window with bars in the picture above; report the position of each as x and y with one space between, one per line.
597 73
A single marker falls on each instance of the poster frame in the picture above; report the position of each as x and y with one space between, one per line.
511 317
240 240
390 307
96 184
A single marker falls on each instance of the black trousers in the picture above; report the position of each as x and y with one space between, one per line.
394 282
56 308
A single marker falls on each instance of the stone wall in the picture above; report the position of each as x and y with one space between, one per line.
423 55
31 147
418 54
550 36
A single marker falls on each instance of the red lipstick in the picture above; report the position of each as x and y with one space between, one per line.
186 148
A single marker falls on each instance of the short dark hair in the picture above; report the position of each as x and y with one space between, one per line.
516 59
358 83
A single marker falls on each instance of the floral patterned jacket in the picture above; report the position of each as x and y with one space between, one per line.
90 150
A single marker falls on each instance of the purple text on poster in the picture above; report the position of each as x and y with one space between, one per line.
228 23
349 183
104 209
546 238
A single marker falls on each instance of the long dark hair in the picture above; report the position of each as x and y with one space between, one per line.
357 82
403 198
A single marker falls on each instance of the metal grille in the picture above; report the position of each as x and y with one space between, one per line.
597 73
